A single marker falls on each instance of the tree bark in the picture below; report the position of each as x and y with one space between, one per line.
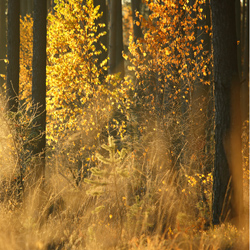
112 35
244 42
39 80
227 163
103 39
26 7
3 50
119 41
135 4
116 62
13 54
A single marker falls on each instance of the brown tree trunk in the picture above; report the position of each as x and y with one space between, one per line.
13 54
227 162
135 4
51 5
244 42
119 41
3 51
112 35
39 81
26 7
104 39
116 62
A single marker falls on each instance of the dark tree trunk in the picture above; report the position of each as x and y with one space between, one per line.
135 4
39 79
104 39
116 62
26 7
3 51
13 54
112 35
51 5
119 40
244 42
227 162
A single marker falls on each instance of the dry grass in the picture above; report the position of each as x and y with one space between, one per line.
155 207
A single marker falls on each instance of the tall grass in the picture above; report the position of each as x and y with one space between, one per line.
155 205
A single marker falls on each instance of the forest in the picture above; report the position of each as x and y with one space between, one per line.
124 124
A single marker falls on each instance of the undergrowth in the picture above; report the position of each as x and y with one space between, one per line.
133 199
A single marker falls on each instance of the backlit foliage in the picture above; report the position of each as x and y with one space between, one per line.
73 73
167 62
81 108
120 171
168 59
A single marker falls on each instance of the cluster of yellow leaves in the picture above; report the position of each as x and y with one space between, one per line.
80 99
168 59
72 71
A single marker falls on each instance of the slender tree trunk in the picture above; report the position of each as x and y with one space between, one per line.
26 7
116 62
112 35
104 39
119 40
244 42
39 80
3 51
13 54
227 162
51 5
135 4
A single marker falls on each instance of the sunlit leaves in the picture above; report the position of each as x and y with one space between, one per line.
73 73
168 55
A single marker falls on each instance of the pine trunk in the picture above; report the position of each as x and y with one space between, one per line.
39 80
227 164
13 54
3 51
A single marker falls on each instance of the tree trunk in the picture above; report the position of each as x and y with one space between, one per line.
13 54
26 7
135 4
39 81
103 39
244 42
51 5
227 162
116 62
119 41
112 35
3 25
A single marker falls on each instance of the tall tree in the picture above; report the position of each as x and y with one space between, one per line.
227 164
135 4
112 35
3 25
13 54
244 42
103 39
51 4
26 7
39 80
116 62
119 40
